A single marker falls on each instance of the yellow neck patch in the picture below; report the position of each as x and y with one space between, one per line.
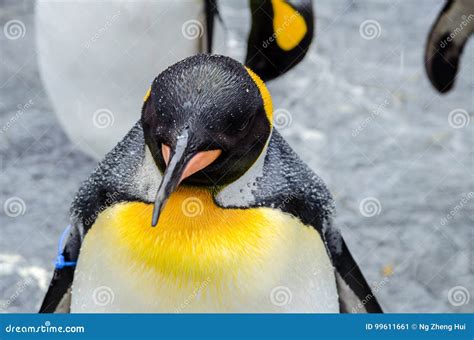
202 258
288 24
264 93
195 240
147 95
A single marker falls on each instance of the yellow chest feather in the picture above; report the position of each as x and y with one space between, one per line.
194 239
219 257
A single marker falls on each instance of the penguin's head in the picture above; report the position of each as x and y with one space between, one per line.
281 33
206 119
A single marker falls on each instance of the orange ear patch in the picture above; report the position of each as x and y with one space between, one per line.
264 93
147 95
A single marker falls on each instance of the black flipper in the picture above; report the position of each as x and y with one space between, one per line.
111 182
446 41
212 14
355 295
62 278
294 188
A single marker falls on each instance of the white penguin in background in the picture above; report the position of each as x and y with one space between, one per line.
96 58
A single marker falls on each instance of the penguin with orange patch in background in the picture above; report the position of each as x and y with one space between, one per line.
280 37
203 207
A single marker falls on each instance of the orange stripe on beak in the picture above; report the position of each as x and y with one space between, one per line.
198 162
166 151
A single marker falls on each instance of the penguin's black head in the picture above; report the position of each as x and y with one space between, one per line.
206 119
282 31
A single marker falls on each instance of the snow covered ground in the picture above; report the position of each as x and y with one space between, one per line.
359 110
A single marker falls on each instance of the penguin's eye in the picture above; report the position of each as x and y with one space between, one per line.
246 123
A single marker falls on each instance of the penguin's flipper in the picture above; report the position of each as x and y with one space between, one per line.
215 39
281 33
288 184
446 42
355 295
58 296
107 185
210 7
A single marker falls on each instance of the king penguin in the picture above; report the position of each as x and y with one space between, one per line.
87 51
203 207
449 34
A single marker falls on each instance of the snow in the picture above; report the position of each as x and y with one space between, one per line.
362 114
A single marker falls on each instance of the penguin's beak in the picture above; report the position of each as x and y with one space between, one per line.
179 165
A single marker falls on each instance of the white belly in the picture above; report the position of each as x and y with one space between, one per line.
97 60
293 274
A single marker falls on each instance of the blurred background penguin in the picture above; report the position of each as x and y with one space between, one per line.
96 59
449 34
